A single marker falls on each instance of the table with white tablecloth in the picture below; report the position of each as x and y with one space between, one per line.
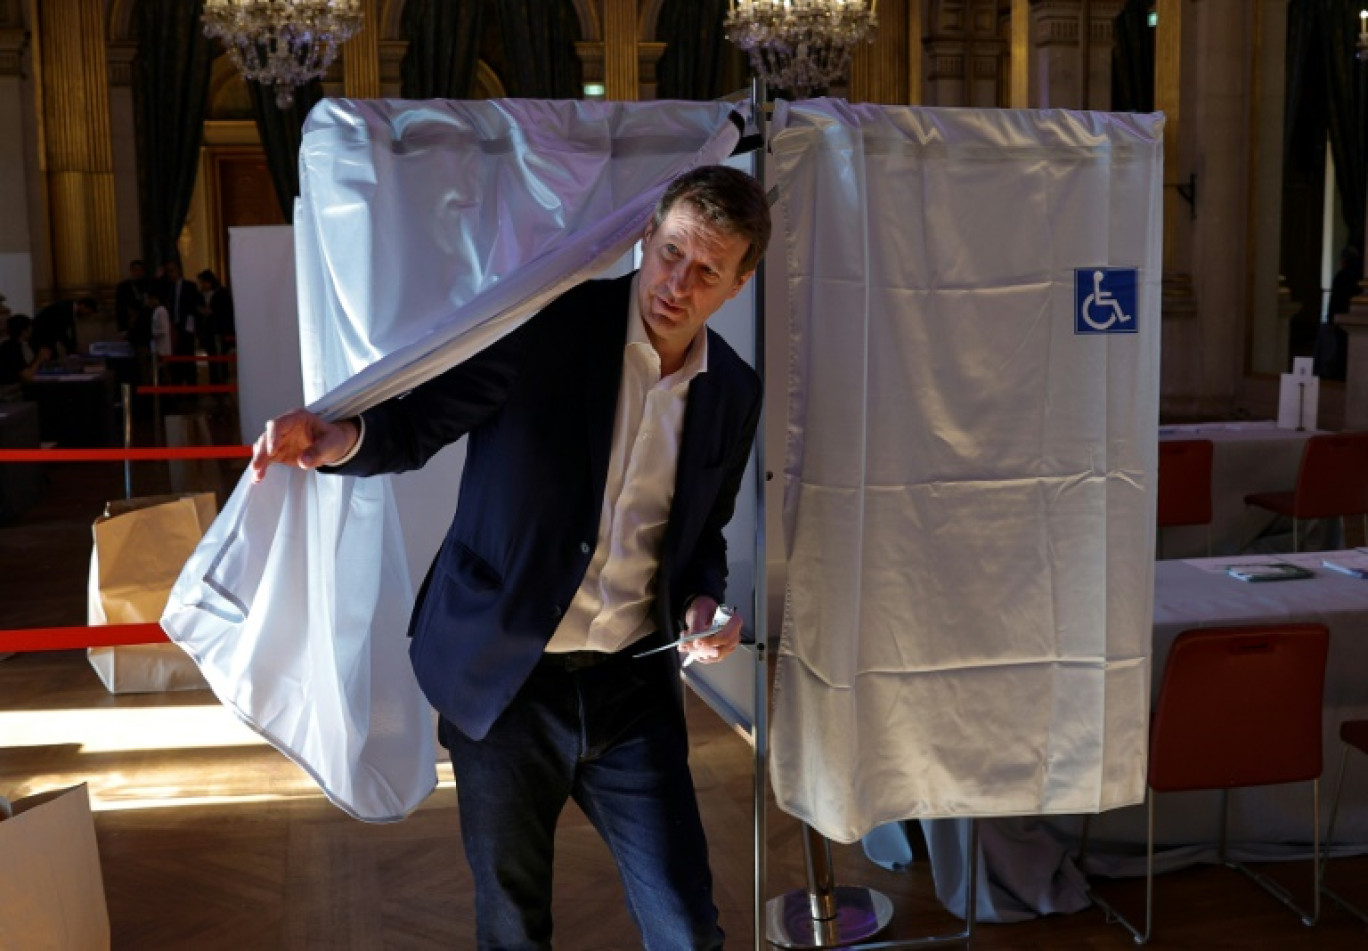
1027 865
1247 457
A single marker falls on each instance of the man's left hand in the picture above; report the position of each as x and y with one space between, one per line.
715 647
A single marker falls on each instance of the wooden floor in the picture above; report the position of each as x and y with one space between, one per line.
211 840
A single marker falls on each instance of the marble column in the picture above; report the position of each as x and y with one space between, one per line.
879 71
1268 328
621 65
124 150
14 223
77 146
1060 42
361 57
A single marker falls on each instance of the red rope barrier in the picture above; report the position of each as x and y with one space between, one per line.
187 358
67 638
187 390
134 454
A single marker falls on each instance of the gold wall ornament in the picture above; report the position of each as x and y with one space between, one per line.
800 45
282 43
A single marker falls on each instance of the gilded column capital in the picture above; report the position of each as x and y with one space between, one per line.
391 60
590 53
648 55
121 54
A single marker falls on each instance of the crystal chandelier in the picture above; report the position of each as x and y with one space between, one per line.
800 45
282 43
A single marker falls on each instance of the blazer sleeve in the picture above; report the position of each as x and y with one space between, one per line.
404 432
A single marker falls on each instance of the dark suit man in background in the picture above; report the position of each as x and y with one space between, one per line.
182 300
216 320
608 437
130 304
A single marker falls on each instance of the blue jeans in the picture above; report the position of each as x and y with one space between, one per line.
612 736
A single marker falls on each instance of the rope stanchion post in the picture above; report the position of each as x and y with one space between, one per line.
158 427
127 392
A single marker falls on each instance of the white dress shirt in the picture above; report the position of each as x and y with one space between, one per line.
612 607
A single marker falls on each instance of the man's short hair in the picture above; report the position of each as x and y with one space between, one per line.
725 197
89 303
137 262
208 277
17 324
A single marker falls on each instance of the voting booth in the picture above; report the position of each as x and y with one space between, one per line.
969 398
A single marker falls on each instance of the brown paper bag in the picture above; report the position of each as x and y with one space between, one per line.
140 547
51 892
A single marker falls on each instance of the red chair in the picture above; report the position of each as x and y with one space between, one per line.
1185 484
1238 706
1332 482
1354 734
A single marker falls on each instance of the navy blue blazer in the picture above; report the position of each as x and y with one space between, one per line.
538 407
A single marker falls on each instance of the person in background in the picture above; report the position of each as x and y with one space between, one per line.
1331 356
19 359
130 304
216 320
181 300
608 438
54 327
162 333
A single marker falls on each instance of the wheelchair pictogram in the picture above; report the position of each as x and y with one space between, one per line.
1105 300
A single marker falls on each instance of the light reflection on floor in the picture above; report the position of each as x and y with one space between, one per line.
152 757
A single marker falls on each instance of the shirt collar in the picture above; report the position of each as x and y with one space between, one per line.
695 361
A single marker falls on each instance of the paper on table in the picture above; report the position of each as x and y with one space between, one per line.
1352 563
1218 566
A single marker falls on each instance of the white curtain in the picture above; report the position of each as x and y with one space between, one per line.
968 477
424 232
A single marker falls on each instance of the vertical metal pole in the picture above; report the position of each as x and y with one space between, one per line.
127 392
760 745
820 880
158 430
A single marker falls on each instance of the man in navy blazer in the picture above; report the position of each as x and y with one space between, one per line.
607 441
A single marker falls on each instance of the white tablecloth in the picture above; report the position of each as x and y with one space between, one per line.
1026 866
1247 457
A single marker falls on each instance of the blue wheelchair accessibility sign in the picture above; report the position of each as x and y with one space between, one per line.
1105 300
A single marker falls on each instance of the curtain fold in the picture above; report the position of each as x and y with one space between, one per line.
281 133
426 230
1133 59
691 66
443 48
170 86
1347 88
539 47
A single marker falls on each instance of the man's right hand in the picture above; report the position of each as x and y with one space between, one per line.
303 439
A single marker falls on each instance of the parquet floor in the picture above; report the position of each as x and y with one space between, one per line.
211 840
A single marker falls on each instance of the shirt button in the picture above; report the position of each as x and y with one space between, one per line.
584 547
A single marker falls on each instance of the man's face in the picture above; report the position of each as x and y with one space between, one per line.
689 269
173 271
137 272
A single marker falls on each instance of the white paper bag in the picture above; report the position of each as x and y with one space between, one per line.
51 893
140 546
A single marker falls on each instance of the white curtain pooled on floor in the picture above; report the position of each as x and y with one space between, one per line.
970 464
424 232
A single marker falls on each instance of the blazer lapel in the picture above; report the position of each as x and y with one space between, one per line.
603 377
